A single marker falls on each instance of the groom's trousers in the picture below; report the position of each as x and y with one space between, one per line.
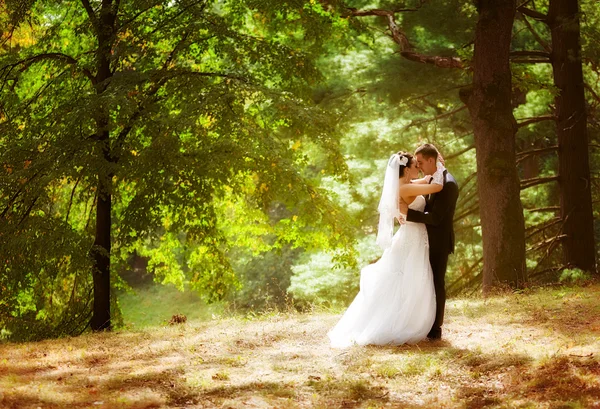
439 262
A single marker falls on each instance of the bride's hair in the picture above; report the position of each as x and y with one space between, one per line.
409 162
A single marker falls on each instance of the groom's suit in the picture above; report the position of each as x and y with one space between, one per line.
438 217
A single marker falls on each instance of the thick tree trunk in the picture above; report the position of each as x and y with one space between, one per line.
104 26
489 103
573 159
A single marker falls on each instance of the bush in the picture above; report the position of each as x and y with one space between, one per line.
574 276
319 280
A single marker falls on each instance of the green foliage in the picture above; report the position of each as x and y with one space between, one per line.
264 279
246 142
44 290
316 279
206 102
574 276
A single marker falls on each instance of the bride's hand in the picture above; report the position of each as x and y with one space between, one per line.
441 159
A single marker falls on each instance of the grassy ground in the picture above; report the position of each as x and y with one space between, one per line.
155 304
534 350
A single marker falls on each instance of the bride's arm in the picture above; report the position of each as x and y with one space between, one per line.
403 207
438 176
423 180
425 188
409 190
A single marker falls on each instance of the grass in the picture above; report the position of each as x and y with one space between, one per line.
154 305
537 349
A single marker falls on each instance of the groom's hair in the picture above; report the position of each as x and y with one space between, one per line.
428 151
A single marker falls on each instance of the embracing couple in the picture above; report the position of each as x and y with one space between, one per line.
402 295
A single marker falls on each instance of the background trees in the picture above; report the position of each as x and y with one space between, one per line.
126 125
571 129
489 102
237 147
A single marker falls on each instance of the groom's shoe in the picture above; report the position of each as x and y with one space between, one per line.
435 334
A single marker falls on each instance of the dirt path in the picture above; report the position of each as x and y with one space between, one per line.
538 350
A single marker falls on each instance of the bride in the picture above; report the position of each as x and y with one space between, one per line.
396 301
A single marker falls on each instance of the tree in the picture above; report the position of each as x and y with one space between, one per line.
150 112
577 231
571 127
489 103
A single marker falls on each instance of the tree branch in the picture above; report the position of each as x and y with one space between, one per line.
530 53
438 61
91 14
521 156
28 211
473 193
536 15
529 121
551 243
546 242
369 12
180 73
544 209
591 91
154 89
460 152
14 198
535 35
469 178
173 52
527 183
537 229
435 118
474 209
399 37
422 97
531 61
381 12
182 11
468 272
28 62
89 216
135 16
71 198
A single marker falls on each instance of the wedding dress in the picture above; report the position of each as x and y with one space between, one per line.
396 301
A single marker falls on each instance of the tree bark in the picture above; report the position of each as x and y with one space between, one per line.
101 254
489 102
104 25
573 158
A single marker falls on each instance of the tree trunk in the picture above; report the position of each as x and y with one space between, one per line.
101 254
105 27
573 159
531 167
489 102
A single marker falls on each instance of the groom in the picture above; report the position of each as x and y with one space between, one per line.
438 217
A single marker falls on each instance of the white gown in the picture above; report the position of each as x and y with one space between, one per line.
396 301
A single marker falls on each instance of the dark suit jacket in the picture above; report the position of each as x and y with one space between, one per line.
438 216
